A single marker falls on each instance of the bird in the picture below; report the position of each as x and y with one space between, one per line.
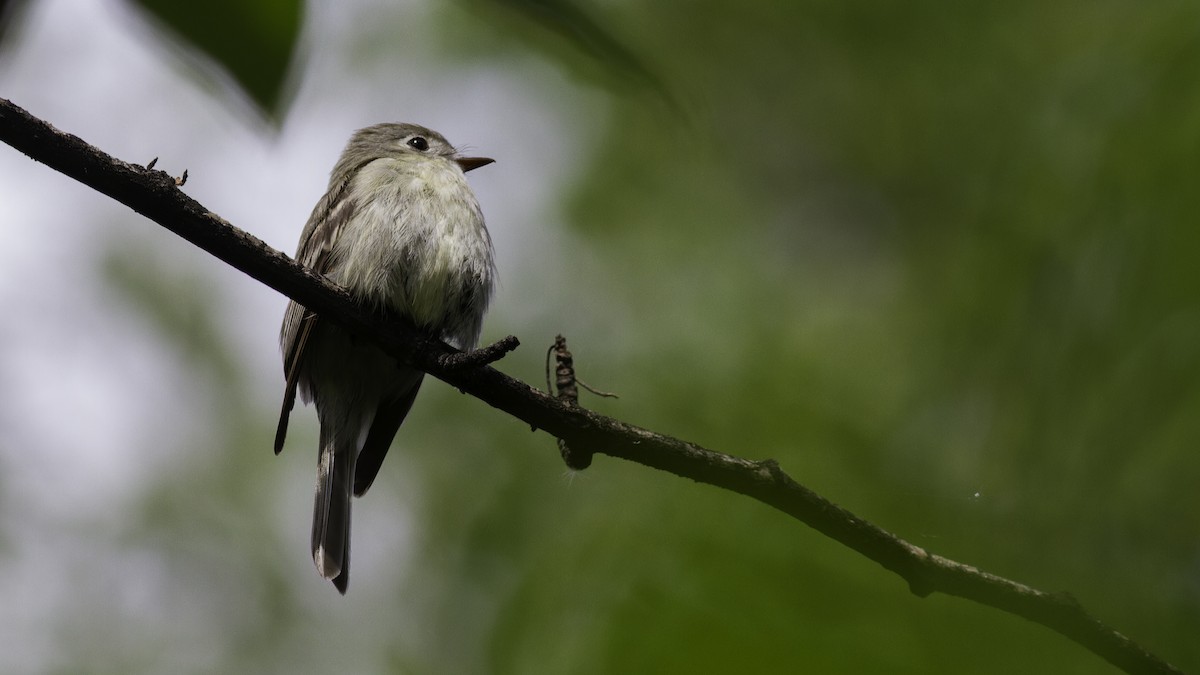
401 230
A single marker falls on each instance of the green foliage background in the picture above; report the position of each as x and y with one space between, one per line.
939 259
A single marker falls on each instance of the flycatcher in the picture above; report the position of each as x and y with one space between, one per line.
401 230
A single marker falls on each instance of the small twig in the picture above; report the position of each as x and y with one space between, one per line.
566 374
477 358
576 460
601 394
565 381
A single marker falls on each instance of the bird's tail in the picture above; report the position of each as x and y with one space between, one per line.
331 508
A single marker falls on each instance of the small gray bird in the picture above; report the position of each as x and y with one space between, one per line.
401 230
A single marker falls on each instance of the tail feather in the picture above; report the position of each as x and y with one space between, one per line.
331 507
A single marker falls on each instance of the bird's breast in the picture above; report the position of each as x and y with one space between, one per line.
417 243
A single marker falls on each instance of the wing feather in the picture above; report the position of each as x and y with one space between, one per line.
316 251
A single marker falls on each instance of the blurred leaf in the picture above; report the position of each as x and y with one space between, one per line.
251 40
10 16
608 57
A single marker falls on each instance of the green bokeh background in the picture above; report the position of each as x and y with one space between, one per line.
939 259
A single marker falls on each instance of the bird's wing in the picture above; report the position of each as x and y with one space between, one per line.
317 241
388 417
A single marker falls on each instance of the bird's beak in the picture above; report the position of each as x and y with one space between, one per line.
468 163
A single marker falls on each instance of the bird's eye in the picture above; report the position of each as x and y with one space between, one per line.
419 143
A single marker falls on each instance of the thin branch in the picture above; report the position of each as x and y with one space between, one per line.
155 195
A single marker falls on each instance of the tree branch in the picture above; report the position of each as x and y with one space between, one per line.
156 195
